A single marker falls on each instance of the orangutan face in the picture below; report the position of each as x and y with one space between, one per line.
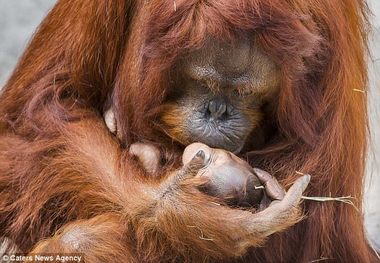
218 94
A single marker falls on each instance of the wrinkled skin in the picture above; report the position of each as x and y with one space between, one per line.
226 176
219 101
269 80
218 107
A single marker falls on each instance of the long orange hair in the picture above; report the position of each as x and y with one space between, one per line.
86 52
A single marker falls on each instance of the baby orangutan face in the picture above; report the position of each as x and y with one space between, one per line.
228 177
217 94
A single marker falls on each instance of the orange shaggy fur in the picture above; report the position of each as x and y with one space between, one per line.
61 170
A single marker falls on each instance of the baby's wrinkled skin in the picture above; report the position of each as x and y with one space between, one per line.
228 177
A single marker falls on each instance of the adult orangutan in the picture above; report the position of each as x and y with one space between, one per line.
273 81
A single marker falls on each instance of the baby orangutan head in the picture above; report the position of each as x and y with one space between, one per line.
223 174
218 93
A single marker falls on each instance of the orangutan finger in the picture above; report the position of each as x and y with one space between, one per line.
193 149
294 194
197 162
192 167
273 189
287 207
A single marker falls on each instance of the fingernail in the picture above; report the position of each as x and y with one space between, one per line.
256 170
200 154
307 178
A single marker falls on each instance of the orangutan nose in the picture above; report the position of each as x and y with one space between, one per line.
217 108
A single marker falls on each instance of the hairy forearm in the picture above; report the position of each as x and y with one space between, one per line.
83 174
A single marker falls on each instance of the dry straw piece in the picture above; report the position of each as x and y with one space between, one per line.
344 199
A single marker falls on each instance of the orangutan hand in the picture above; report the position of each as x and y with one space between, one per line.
184 205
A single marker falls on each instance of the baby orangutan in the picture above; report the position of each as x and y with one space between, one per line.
225 175
224 201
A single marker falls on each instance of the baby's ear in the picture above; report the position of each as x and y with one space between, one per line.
109 119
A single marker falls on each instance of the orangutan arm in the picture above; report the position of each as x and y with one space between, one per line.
99 239
154 220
